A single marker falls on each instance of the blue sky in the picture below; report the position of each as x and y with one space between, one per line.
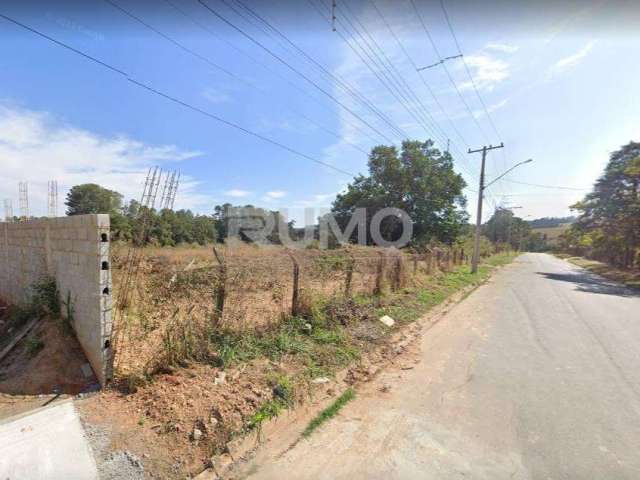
560 83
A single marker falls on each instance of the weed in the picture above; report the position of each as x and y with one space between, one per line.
329 412
67 319
33 346
283 389
47 297
267 411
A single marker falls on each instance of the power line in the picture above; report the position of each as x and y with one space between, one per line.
176 100
225 71
289 66
558 187
269 69
466 67
473 83
392 75
342 83
428 87
444 66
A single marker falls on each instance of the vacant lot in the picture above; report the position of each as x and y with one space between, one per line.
191 377
552 233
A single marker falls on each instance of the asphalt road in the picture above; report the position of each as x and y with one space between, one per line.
536 375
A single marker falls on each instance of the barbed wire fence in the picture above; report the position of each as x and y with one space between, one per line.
178 301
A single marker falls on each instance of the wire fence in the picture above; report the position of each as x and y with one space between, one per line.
185 295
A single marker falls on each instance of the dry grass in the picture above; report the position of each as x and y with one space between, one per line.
552 233
172 311
630 278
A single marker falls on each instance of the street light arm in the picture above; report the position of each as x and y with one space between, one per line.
515 166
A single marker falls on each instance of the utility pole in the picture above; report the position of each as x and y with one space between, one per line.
476 243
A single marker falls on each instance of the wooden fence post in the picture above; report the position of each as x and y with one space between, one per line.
397 274
220 292
349 276
379 274
295 296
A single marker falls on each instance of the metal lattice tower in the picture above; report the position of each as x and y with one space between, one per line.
8 210
171 197
151 185
52 198
166 190
155 184
23 200
169 190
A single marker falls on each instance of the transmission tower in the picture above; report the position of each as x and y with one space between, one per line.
23 200
52 197
151 185
8 210
171 198
166 190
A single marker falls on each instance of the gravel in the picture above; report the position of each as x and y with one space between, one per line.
112 465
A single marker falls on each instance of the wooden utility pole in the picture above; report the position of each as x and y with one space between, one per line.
476 244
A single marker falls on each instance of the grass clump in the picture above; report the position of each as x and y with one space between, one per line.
329 412
33 346
267 411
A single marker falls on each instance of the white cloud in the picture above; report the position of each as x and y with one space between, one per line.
575 59
276 194
491 108
215 96
501 47
237 193
37 147
487 71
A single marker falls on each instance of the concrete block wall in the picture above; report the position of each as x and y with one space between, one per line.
75 251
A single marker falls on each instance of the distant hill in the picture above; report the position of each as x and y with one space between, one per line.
548 222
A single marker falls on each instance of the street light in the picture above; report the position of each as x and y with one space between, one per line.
476 244
516 165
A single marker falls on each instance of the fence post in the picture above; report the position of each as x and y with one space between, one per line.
295 296
379 274
397 274
428 259
220 288
415 263
349 276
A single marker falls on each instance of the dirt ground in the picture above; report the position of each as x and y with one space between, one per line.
55 368
157 422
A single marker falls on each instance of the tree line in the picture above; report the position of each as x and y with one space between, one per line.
417 178
608 224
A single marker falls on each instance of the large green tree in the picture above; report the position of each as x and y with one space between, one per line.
92 198
505 227
609 223
420 180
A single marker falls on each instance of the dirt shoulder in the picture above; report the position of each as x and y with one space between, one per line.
630 278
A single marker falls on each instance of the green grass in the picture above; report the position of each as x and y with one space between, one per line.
329 412
411 304
268 410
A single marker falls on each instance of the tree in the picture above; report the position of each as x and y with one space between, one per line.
608 227
505 227
419 180
92 198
